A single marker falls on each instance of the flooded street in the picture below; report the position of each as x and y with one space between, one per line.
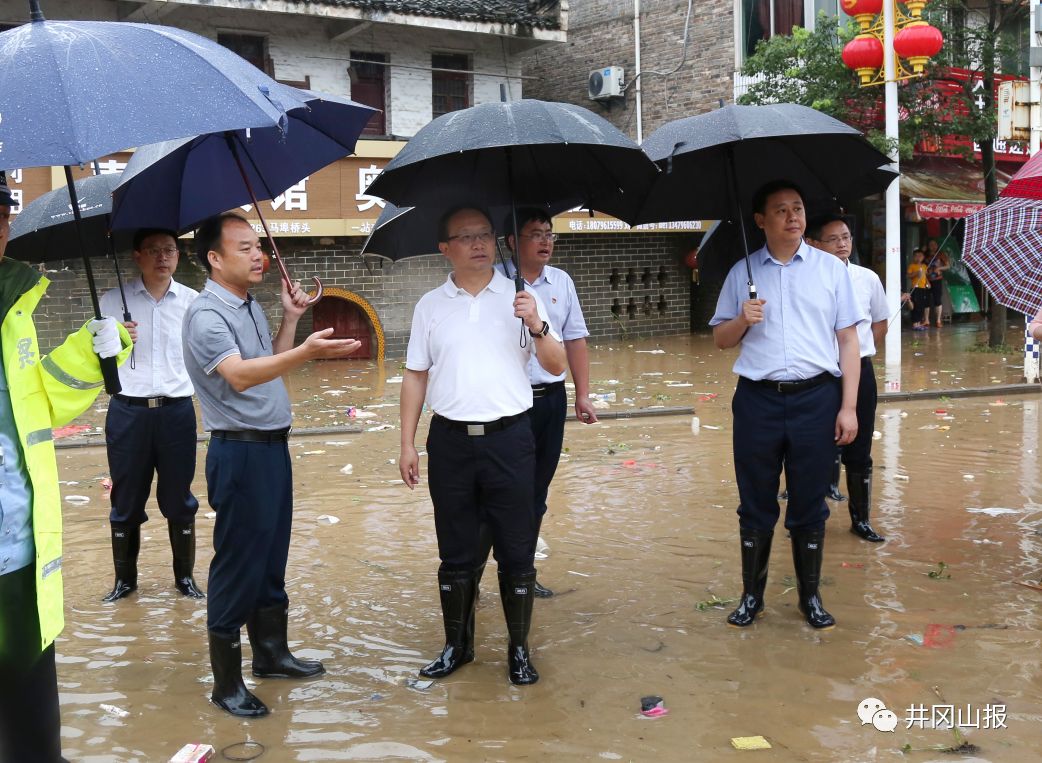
643 554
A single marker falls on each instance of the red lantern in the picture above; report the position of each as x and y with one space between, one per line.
856 8
862 10
917 43
863 54
267 263
691 259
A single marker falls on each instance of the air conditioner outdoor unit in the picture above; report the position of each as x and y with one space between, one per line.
605 83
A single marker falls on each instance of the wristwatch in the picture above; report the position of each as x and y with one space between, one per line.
541 332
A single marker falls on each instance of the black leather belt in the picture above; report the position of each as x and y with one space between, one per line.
478 428
251 435
150 402
786 387
542 390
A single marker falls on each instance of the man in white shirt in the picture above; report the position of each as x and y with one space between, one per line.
468 358
831 234
150 427
549 409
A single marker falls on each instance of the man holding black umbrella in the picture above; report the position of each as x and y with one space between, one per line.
236 367
794 402
549 405
36 394
468 358
150 427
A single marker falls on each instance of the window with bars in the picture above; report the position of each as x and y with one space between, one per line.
369 86
451 83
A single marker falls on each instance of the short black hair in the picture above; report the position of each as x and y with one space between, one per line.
208 236
525 215
142 233
443 221
815 226
772 187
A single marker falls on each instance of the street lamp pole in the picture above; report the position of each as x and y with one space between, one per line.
892 369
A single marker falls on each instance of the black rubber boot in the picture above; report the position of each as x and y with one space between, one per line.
229 692
126 543
518 594
756 552
834 493
457 589
271 656
182 545
808 548
859 485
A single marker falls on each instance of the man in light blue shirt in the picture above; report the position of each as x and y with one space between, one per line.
795 400
549 398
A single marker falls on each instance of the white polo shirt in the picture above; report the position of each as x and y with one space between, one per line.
471 348
158 367
871 298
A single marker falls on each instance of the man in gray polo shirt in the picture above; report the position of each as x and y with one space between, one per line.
236 367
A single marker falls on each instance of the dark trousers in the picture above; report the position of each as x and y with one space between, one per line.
250 486
791 431
858 454
921 300
30 726
142 442
487 478
547 416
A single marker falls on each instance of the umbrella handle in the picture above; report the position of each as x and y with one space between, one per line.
288 280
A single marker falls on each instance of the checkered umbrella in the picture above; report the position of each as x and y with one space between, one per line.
1003 247
1027 183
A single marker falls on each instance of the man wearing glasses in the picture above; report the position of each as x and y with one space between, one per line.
831 234
468 358
150 426
549 409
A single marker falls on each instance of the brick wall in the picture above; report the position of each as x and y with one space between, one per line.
600 33
641 276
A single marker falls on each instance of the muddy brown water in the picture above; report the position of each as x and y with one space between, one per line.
642 539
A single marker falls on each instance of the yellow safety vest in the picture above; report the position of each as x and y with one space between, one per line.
46 392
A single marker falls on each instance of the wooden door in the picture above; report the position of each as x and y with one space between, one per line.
348 321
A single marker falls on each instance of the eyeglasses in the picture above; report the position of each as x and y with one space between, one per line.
846 238
468 239
540 237
161 251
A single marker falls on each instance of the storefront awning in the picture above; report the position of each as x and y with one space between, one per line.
940 187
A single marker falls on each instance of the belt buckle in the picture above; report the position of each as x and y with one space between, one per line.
781 387
475 430
155 402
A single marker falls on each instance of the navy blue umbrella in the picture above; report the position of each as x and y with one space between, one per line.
71 91
177 184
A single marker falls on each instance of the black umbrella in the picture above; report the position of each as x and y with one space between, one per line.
525 152
747 146
45 229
